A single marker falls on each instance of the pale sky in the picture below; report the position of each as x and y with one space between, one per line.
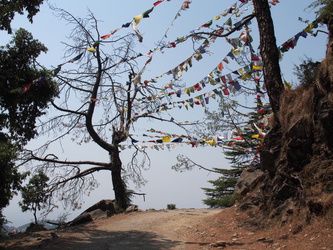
164 186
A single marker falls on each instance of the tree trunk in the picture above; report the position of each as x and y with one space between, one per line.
273 82
35 216
269 53
119 185
298 150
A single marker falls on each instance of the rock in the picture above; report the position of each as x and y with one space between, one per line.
104 205
247 181
81 219
219 244
132 208
101 210
261 239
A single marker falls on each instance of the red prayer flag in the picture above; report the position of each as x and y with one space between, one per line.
27 87
220 66
197 87
158 2
224 80
237 138
149 60
226 91
106 36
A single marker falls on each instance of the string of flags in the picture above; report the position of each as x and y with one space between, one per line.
39 81
201 99
201 50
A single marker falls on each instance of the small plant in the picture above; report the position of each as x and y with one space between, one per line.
171 206
151 209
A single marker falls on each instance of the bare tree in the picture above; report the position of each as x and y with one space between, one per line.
96 103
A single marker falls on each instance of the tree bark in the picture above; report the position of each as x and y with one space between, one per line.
273 82
269 54
35 216
119 185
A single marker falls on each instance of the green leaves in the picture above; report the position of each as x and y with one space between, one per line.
8 9
35 194
18 69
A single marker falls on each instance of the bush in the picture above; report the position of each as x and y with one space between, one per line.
171 206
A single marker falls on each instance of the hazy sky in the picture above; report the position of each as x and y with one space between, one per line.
164 185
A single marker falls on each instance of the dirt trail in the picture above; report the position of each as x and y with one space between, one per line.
162 229
191 229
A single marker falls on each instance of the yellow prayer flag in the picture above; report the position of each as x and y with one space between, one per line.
217 18
211 142
137 19
256 67
91 49
287 85
241 71
255 136
166 139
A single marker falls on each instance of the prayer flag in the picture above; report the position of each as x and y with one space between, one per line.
158 2
220 66
75 58
91 49
166 139
137 19
147 12
106 36
126 25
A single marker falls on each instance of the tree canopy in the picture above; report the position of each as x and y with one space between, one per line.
25 90
8 9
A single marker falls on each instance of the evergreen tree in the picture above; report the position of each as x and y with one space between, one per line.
242 151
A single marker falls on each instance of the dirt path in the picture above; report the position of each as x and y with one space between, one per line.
162 229
191 229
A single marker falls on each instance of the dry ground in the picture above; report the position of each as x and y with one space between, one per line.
177 229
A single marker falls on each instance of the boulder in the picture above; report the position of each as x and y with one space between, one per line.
247 181
101 210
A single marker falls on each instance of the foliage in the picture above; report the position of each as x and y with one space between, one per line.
306 72
171 206
35 194
18 110
325 9
241 154
8 9
10 178
221 194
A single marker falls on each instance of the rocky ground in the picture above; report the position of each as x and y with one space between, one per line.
178 229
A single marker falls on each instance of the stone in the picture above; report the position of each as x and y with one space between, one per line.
247 181
132 208
101 210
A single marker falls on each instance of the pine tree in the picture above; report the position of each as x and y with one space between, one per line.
242 151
